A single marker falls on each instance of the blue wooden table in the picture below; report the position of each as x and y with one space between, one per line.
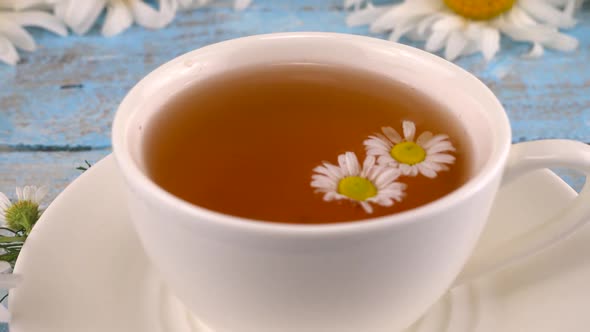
57 105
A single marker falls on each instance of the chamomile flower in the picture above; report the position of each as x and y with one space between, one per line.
13 36
461 27
366 185
24 213
80 15
426 155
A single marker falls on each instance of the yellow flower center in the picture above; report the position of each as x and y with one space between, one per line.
408 153
480 9
357 188
22 215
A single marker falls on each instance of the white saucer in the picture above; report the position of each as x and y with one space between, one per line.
84 269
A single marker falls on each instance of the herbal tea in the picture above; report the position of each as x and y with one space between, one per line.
307 144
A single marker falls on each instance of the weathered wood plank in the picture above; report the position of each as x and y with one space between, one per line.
67 92
52 169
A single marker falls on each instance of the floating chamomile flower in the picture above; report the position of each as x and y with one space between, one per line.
13 35
369 184
428 154
24 213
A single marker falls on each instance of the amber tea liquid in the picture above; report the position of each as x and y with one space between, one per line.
245 143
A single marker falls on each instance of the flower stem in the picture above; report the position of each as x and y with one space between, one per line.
12 239
9 257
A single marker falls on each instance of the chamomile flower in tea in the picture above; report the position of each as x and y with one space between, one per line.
427 155
369 184
245 143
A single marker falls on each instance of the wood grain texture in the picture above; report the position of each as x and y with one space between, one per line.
66 93
52 169
57 105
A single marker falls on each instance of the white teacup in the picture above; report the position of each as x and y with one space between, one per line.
380 275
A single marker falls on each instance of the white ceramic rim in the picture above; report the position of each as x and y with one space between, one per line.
133 174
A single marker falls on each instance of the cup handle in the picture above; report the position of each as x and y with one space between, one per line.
526 157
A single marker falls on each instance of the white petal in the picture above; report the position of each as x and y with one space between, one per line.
354 167
427 172
241 4
543 35
436 41
435 140
376 151
392 134
38 19
18 36
368 165
448 23
60 10
382 200
40 193
28 193
330 196
388 20
367 207
349 164
519 17
8 53
336 171
379 144
387 176
393 193
408 170
331 171
24 4
4 202
455 45
19 193
118 19
81 15
409 130
401 31
490 42
424 138
323 185
146 16
424 27
571 6
444 146
562 42
547 14
386 159
441 158
396 187
402 15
